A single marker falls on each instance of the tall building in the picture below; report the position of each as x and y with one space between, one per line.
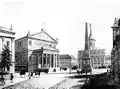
115 53
7 37
36 51
97 56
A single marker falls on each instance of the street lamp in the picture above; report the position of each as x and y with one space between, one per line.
70 66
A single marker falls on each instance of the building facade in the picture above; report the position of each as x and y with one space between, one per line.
115 53
98 58
107 62
7 37
36 51
65 61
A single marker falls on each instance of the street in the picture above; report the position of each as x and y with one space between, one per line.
50 80
44 81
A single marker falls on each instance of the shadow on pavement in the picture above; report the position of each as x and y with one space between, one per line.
97 81
83 76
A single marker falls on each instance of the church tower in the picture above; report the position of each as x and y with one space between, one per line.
91 40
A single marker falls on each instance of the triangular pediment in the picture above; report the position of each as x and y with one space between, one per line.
43 36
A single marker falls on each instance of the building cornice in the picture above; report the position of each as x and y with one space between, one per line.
21 38
7 32
8 37
56 50
42 40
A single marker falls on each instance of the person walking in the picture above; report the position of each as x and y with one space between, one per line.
11 77
29 75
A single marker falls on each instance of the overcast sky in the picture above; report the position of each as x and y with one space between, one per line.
64 19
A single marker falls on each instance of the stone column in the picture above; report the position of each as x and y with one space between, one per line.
56 60
38 61
46 61
12 68
97 62
93 62
42 60
50 59
0 45
2 42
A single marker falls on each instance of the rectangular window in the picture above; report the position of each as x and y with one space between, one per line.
0 57
20 44
30 42
8 43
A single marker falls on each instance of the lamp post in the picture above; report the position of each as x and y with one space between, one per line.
70 66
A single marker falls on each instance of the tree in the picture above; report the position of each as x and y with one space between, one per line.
5 62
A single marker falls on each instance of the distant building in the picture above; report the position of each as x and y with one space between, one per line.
115 53
97 56
36 51
65 61
80 56
7 37
107 61
74 61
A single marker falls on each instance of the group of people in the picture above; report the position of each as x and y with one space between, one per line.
31 74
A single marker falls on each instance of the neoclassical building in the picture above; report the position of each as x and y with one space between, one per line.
7 37
36 51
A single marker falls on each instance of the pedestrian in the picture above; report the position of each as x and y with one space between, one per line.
11 77
29 75
39 73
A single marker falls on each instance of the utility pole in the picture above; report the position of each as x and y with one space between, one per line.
70 66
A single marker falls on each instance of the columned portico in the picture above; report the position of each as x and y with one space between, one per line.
48 60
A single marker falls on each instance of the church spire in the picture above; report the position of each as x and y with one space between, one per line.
86 37
90 29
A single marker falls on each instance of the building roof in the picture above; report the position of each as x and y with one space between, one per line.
43 36
65 56
6 30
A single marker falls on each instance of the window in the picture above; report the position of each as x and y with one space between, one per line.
8 43
30 58
20 44
30 42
